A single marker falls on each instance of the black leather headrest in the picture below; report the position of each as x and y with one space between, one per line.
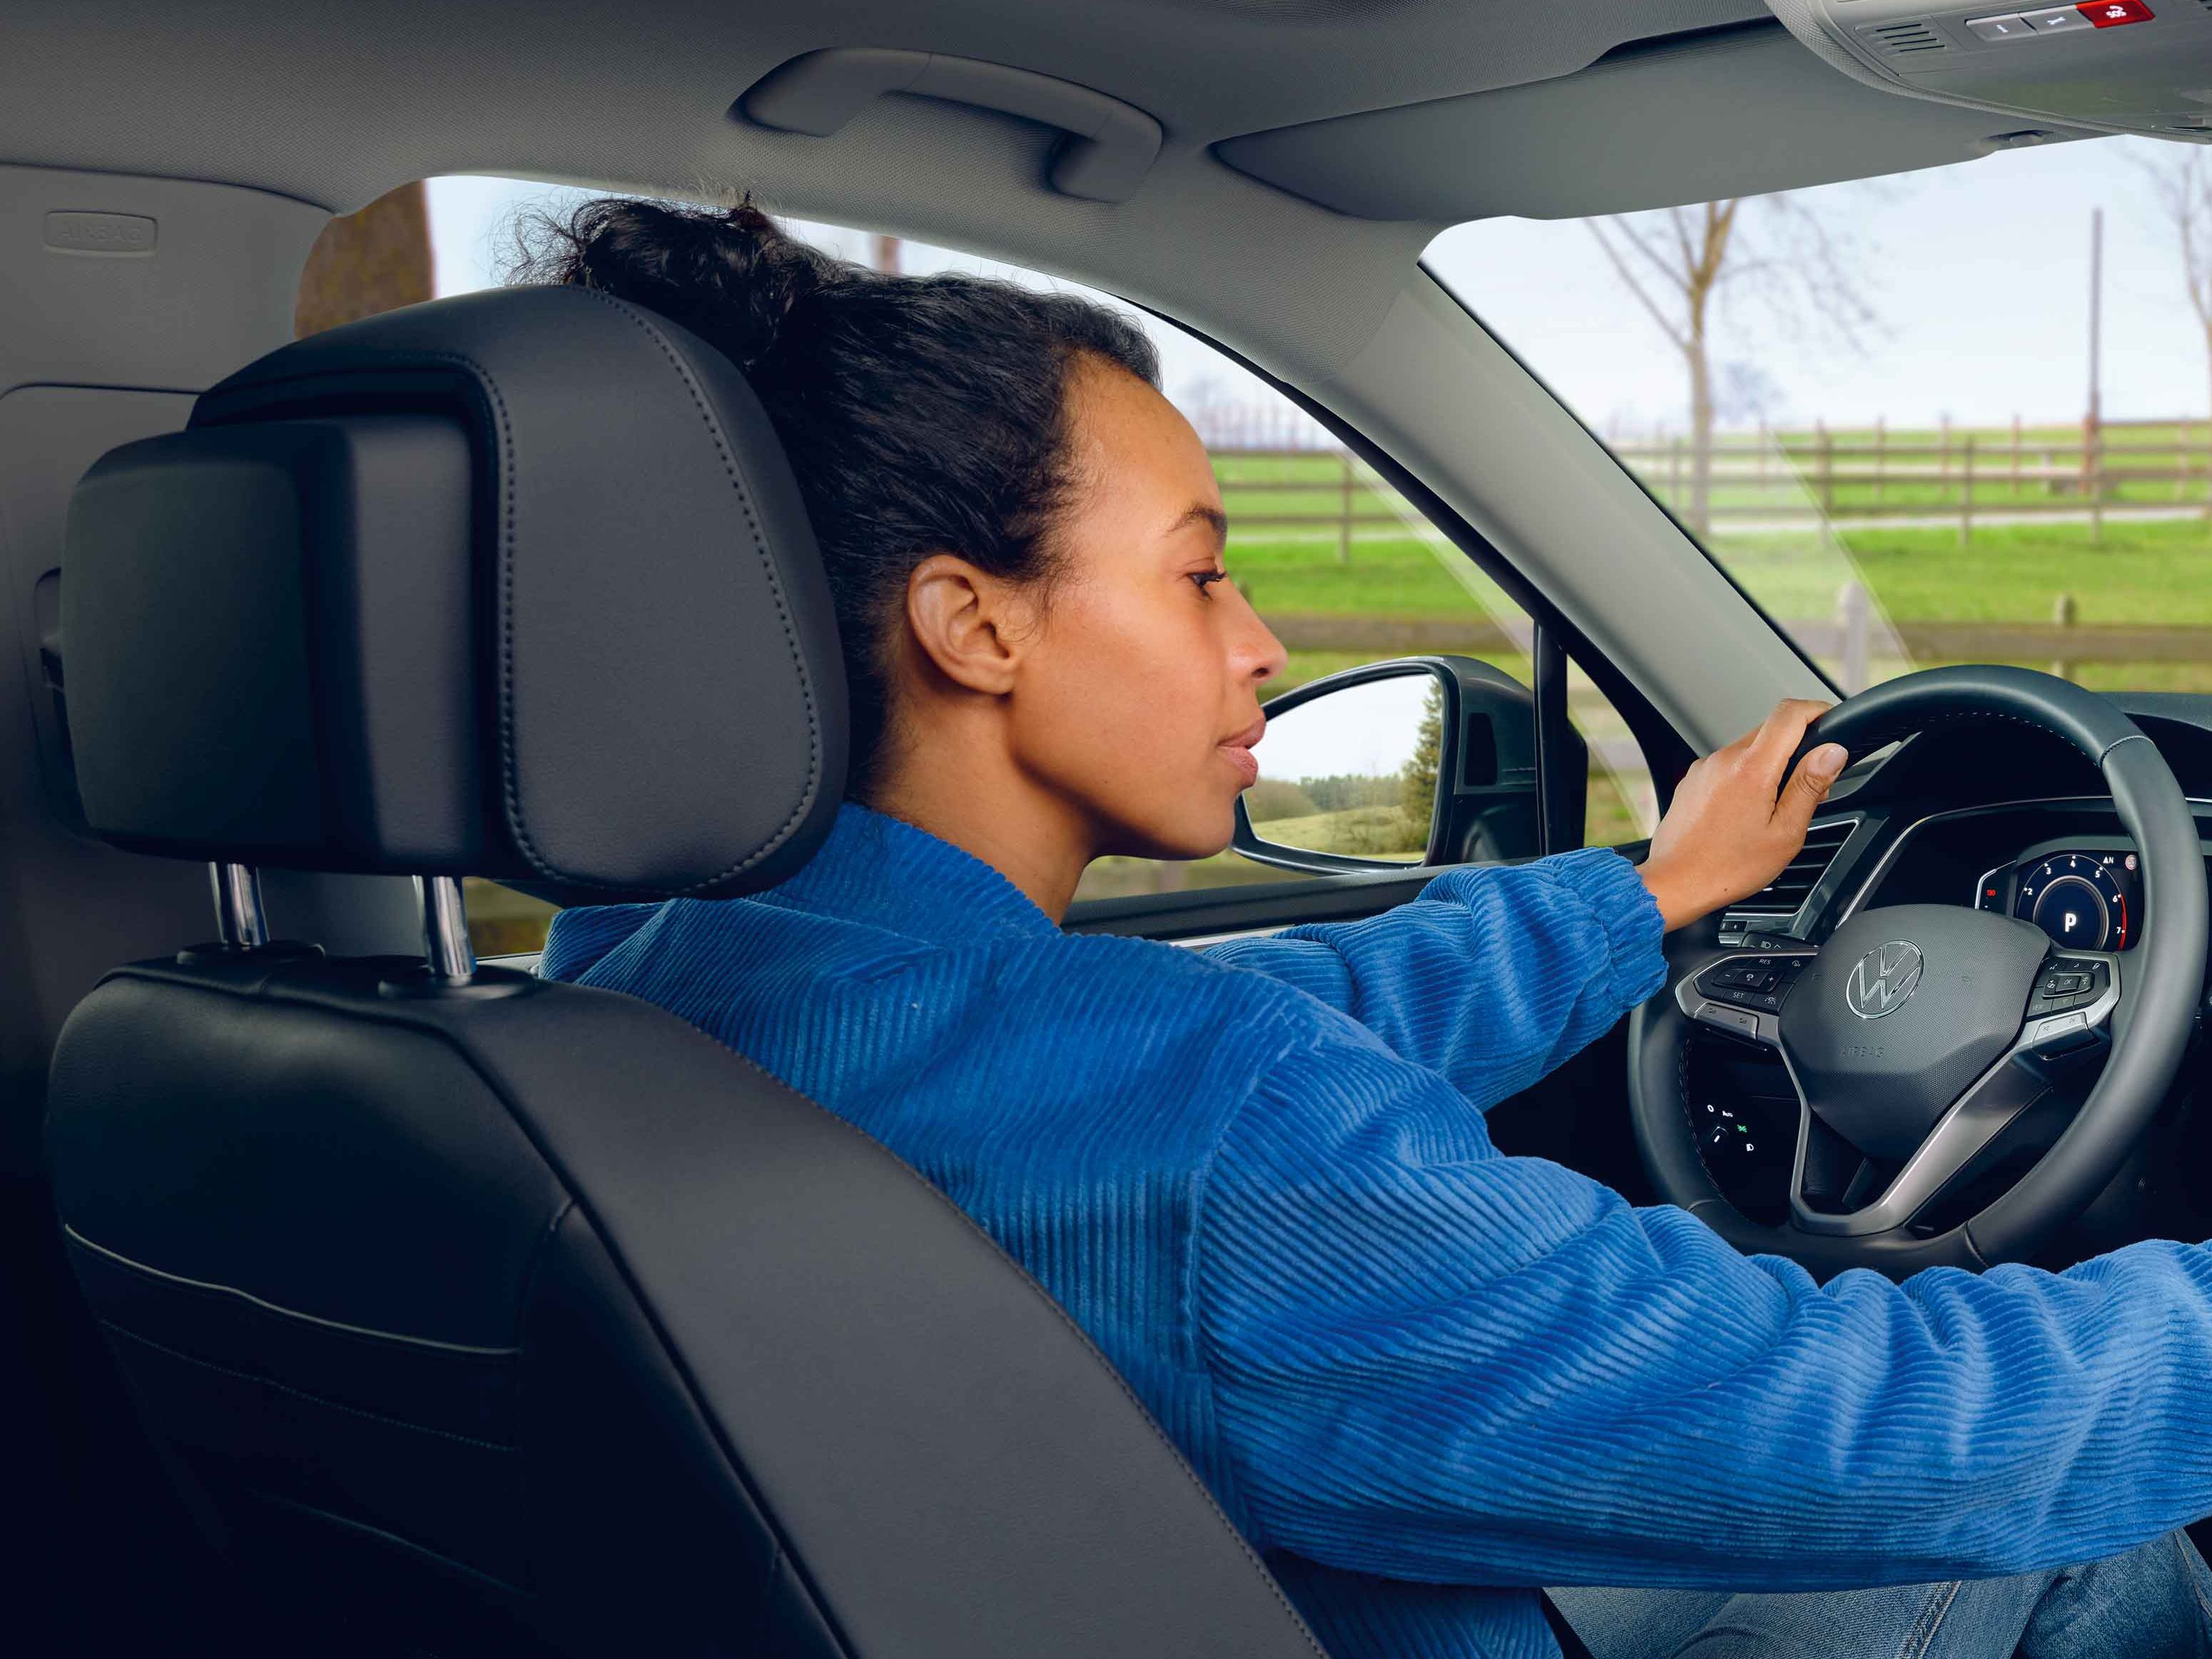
516 585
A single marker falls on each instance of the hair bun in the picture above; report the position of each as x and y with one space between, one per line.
729 275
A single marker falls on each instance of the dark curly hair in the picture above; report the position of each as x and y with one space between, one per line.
922 414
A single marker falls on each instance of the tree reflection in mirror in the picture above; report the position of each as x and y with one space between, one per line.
1353 772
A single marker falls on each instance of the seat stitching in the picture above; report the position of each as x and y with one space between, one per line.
301 1394
472 1349
814 735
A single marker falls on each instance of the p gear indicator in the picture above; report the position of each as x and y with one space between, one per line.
2084 901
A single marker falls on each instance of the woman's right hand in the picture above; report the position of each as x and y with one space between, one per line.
1733 828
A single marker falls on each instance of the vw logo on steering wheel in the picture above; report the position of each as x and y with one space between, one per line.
1882 979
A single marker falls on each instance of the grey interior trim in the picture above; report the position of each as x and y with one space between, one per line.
216 289
1110 144
1739 112
266 1306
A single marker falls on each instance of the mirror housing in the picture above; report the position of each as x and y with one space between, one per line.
1488 803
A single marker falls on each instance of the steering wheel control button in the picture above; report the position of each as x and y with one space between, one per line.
1726 1135
2059 1025
1739 1020
2067 983
2010 27
1757 983
2111 14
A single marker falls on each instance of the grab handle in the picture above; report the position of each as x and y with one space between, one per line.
1109 149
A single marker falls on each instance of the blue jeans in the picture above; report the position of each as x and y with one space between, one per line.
2154 1602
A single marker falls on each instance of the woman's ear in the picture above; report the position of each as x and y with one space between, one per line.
963 620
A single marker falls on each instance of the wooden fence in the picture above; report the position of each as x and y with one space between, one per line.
1330 496
2117 468
1792 480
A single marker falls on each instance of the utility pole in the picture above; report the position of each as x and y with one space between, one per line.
2092 420
2096 312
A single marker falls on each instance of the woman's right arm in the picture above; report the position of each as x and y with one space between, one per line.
1434 1361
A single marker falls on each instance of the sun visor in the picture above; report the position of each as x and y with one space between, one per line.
1734 111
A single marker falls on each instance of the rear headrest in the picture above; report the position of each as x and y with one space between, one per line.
516 585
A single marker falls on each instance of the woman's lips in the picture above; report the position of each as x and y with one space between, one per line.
1239 751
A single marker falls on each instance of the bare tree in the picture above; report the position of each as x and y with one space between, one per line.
1677 262
2183 184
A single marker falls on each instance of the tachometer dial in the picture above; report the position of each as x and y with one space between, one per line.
2076 898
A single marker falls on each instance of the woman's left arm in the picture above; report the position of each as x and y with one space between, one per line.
1493 975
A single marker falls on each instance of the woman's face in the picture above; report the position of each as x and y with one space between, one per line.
1137 702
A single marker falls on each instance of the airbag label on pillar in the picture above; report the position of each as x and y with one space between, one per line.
100 233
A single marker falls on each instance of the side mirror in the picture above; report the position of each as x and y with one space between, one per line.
1423 760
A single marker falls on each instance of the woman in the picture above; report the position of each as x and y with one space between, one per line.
1421 1376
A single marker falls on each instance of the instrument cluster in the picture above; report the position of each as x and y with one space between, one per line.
2085 898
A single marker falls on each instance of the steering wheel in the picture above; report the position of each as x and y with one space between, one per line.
1916 1032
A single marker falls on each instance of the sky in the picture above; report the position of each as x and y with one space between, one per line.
1367 731
1976 278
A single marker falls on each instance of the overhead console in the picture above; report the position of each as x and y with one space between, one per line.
2120 65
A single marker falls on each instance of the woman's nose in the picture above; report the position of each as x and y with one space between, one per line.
1258 653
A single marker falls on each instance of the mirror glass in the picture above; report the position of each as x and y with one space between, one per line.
1353 772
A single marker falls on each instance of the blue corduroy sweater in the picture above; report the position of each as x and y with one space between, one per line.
1417 1373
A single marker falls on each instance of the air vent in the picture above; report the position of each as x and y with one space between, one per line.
1778 902
1905 39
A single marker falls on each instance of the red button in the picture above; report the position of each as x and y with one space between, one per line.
2111 14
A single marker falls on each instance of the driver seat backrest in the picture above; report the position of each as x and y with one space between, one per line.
478 1314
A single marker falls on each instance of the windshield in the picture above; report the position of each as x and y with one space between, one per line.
1959 415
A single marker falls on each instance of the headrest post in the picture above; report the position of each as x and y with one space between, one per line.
446 929
241 922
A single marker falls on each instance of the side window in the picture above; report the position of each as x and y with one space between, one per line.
1622 806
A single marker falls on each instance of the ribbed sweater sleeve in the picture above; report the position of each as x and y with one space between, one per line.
1433 1362
1493 975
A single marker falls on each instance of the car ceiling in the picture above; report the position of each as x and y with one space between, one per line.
335 102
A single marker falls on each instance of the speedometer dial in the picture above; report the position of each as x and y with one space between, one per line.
2076 898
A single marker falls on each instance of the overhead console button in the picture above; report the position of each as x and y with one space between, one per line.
2110 13
2054 19
2010 27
